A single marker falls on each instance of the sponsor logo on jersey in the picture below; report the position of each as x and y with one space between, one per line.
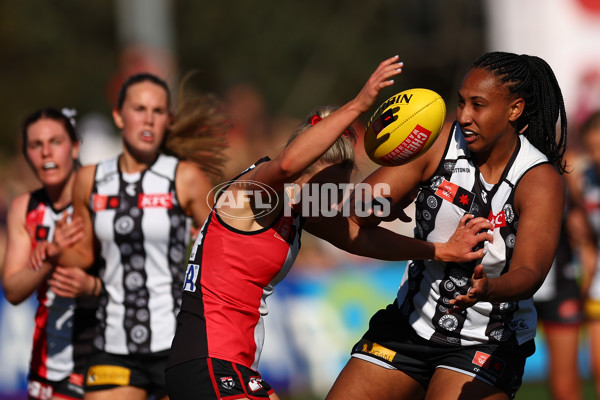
378 351
488 362
159 200
499 220
255 383
102 202
76 379
461 170
108 375
41 232
227 382
455 194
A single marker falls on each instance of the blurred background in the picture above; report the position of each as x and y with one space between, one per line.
271 62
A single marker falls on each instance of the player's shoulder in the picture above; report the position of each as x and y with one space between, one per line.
19 203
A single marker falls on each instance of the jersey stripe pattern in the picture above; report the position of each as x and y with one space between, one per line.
457 187
229 277
591 203
52 353
143 234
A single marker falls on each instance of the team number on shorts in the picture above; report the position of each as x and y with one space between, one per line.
190 277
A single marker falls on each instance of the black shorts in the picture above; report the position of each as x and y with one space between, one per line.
107 371
560 311
212 379
69 388
392 343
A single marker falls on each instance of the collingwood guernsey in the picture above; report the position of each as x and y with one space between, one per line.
143 234
457 187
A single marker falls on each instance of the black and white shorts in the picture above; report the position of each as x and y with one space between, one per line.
107 371
211 378
392 343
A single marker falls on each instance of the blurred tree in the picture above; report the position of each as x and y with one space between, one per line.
297 54
54 53
300 54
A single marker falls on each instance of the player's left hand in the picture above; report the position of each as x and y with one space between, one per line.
71 282
477 291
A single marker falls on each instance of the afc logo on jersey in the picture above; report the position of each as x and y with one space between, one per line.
159 200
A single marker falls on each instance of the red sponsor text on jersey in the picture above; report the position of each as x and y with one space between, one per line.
447 190
159 200
499 220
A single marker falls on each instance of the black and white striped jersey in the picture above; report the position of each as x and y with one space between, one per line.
143 234
457 187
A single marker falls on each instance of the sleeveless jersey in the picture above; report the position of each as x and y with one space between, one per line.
229 277
63 326
457 187
591 204
143 234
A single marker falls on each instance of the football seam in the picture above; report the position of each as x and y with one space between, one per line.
416 113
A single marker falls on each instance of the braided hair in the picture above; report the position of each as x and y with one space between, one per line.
532 79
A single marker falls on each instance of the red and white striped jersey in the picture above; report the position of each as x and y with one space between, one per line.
52 354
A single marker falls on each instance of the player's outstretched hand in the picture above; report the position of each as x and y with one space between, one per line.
378 80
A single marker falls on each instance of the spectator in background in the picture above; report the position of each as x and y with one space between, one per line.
65 316
559 305
136 211
585 185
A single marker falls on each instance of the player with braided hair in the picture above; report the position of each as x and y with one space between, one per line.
464 330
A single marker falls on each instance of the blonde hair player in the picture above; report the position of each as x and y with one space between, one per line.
242 252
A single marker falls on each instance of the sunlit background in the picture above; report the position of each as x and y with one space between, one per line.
271 61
